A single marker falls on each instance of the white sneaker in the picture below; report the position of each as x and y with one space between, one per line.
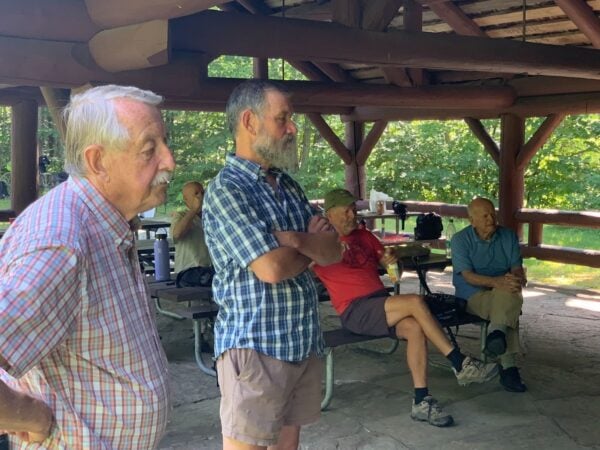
475 371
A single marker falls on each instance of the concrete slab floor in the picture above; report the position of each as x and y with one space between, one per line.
560 333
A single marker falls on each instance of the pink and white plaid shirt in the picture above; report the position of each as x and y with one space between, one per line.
77 326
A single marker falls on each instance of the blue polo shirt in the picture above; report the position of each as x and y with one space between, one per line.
240 212
491 258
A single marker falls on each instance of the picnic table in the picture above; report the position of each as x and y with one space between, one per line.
154 225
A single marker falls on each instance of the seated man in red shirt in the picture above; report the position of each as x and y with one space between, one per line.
365 307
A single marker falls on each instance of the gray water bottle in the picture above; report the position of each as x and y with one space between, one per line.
161 258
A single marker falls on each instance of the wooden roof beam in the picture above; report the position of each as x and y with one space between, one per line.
132 47
584 17
370 141
329 135
116 13
269 37
538 139
58 20
539 106
351 94
484 137
456 18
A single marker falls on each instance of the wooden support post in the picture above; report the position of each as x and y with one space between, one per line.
260 68
536 230
512 182
24 154
356 175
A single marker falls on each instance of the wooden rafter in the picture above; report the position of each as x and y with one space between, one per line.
456 18
116 13
484 137
332 139
538 139
544 105
370 141
223 33
584 17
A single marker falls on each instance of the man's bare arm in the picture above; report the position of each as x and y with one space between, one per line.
279 264
24 415
323 247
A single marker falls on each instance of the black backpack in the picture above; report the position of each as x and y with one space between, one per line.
195 276
429 226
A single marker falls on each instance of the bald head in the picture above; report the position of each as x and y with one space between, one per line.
191 191
482 216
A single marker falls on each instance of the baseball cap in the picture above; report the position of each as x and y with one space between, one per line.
338 197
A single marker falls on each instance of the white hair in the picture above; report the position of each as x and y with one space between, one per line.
91 118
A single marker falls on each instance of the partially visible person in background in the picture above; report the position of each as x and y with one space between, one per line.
187 232
81 363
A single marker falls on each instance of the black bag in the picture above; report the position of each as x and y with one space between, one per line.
429 226
195 276
445 307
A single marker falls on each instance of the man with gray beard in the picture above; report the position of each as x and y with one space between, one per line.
262 235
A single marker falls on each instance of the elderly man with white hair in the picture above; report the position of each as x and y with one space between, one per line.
81 364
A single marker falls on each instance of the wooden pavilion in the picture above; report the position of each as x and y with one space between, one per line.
366 60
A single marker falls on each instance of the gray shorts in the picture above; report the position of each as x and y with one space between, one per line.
260 394
366 315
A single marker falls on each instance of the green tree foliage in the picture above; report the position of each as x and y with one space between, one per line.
421 160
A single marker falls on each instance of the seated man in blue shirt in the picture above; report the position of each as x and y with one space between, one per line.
488 272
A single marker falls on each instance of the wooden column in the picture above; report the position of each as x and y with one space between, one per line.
356 177
512 182
260 68
24 154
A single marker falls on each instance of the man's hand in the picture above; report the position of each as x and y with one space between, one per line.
318 224
24 416
387 257
196 202
508 282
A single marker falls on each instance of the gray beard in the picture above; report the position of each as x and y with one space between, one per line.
282 153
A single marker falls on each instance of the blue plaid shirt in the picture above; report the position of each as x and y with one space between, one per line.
240 212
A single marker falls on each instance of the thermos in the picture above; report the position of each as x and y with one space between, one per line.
161 258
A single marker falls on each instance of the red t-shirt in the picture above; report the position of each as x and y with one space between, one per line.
356 275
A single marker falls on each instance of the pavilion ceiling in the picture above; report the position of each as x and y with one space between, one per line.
365 59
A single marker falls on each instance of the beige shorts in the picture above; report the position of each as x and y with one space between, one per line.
260 394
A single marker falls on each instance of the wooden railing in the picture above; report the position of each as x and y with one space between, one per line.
535 219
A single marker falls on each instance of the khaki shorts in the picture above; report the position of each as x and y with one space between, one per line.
260 394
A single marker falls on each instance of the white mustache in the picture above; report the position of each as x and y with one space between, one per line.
162 177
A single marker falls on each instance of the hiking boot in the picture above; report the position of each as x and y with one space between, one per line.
511 380
430 411
475 371
495 344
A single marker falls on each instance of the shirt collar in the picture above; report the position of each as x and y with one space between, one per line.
105 213
251 168
478 239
